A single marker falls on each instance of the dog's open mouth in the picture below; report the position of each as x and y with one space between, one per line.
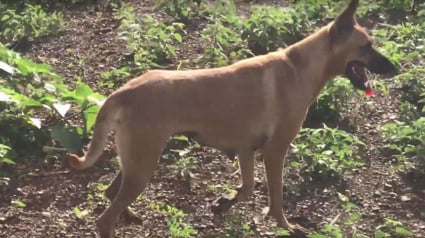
356 73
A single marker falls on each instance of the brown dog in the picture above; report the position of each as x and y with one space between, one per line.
257 103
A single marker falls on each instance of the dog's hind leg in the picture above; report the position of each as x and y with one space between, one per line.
246 166
111 192
139 158
274 157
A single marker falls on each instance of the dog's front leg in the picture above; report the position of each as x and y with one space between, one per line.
246 166
274 157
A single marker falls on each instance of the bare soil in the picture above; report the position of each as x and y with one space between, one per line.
51 190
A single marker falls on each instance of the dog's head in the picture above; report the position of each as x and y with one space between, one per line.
353 49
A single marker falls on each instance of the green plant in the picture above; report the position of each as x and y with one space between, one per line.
401 43
181 10
80 213
178 229
326 151
269 28
183 166
328 231
351 209
113 78
150 41
413 88
392 228
36 103
406 141
317 10
331 102
32 22
5 155
235 226
222 37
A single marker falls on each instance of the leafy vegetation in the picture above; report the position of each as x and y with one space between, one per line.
326 151
150 41
29 23
269 28
178 229
43 113
37 103
181 10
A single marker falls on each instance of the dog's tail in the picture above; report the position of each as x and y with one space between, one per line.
105 122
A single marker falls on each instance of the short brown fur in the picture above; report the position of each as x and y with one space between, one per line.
257 102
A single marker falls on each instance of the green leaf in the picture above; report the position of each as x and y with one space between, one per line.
80 213
178 37
83 90
181 138
90 116
7 161
5 18
317 235
403 231
26 67
282 232
355 217
381 234
67 137
96 98
18 203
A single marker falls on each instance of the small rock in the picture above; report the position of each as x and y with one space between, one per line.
375 208
405 198
46 214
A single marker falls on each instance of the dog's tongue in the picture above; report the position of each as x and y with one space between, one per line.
369 92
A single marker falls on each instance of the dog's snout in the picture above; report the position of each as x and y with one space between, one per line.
381 65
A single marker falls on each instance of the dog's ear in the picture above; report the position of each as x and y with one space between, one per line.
344 23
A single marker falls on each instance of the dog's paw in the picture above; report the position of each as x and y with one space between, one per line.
296 230
75 161
222 205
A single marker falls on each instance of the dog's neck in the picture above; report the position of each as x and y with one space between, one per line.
321 68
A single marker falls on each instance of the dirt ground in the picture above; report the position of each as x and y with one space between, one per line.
51 191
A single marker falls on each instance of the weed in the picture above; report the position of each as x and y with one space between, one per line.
331 102
150 41
183 166
326 151
392 228
181 10
224 44
5 155
29 90
406 142
413 88
402 43
176 226
18 203
235 226
114 78
32 22
328 231
269 28
80 213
